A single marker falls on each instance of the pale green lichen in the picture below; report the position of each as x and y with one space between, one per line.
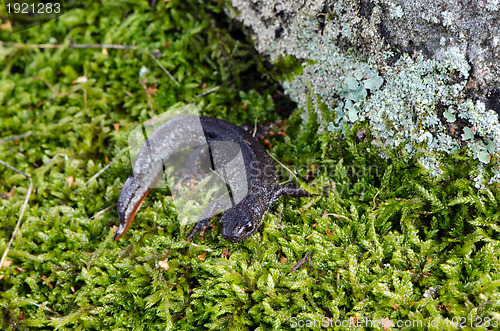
414 92
492 5
405 109
395 11
486 128
449 115
411 103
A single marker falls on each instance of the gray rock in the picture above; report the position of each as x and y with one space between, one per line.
376 27
439 63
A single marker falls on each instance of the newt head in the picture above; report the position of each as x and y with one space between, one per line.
238 224
131 197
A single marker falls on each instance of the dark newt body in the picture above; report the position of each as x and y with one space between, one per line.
239 220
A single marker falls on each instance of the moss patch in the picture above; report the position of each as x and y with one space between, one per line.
388 241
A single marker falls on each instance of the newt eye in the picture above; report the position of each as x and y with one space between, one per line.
249 226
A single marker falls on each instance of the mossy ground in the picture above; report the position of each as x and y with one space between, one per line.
382 231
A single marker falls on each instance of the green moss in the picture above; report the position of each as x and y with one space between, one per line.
384 234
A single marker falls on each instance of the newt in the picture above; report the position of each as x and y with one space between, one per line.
241 217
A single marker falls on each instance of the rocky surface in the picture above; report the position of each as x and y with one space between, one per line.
377 27
421 73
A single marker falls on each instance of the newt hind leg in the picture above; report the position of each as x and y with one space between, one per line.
288 189
292 191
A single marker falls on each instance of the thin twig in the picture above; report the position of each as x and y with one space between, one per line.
213 89
46 308
70 45
335 215
255 127
105 46
312 201
103 211
23 45
164 69
235 47
23 208
52 159
85 100
282 229
374 204
76 89
290 171
56 92
210 90
150 102
106 167
24 135
302 261
63 94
